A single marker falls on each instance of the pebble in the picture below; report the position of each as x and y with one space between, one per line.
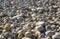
1 28
26 38
56 36
49 33
39 23
28 34
39 28
7 27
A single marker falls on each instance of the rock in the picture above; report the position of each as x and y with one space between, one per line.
1 37
39 28
49 33
27 27
56 36
28 34
20 35
26 38
48 28
7 27
40 9
39 23
1 28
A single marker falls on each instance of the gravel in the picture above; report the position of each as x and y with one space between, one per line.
29 19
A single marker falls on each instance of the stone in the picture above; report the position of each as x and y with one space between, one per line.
39 28
26 38
1 28
7 27
49 33
56 36
28 34
39 23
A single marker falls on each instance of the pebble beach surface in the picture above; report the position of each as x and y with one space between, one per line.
29 19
